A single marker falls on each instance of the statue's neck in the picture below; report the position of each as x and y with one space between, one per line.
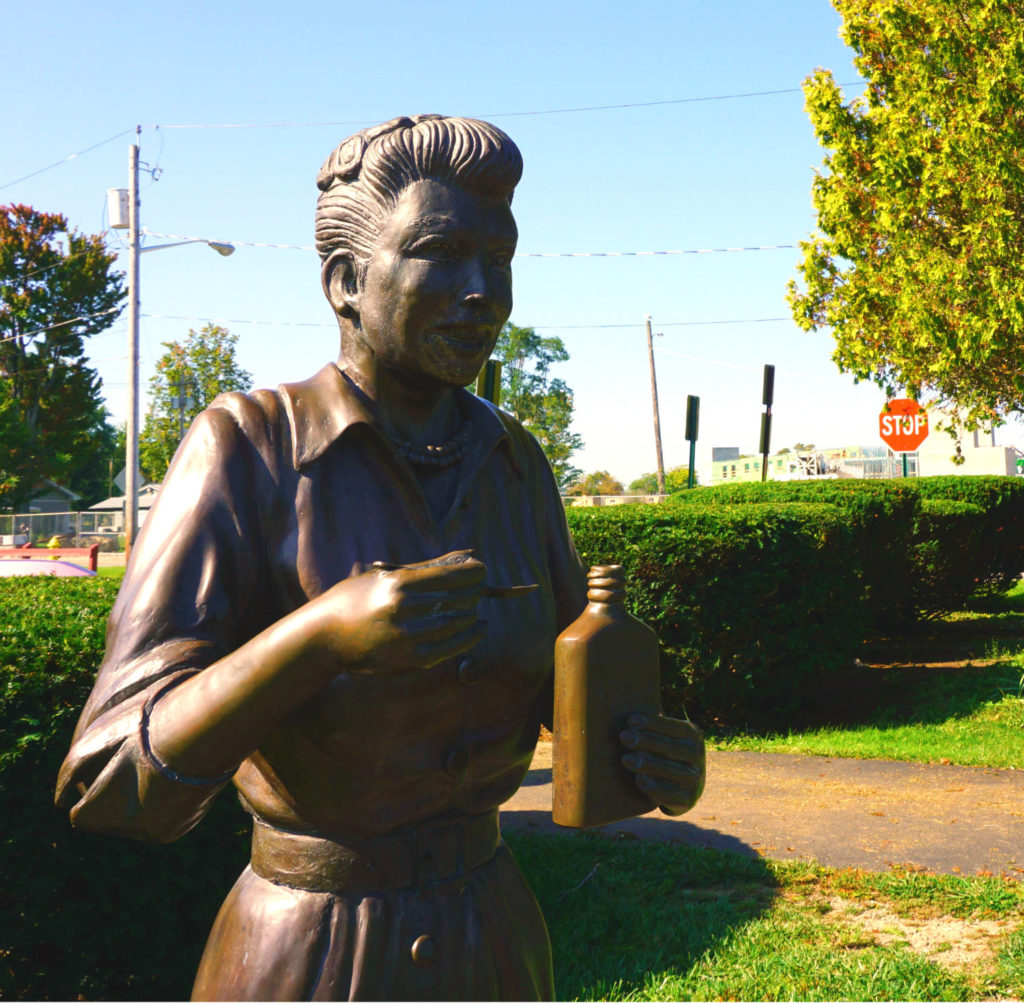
408 408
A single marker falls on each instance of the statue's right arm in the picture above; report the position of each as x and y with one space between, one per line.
380 621
200 667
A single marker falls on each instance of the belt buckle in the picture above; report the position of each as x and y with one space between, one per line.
440 858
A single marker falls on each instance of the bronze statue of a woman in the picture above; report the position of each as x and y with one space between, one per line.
314 612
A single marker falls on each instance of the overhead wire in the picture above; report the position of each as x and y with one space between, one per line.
538 327
519 254
63 323
512 114
365 121
64 160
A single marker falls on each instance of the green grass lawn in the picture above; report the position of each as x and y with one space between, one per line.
112 572
644 921
952 692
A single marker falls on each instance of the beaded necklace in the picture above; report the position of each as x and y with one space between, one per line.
447 454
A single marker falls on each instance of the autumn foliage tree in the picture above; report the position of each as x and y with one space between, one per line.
599 482
57 289
918 263
189 375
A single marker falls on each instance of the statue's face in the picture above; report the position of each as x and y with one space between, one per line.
438 287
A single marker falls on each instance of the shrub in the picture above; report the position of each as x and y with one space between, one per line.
949 544
87 916
748 601
881 515
998 558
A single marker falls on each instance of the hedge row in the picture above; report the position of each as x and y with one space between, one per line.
882 516
86 916
754 588
996 557
921 552
741 633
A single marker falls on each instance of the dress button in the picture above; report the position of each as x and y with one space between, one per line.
424 950
469 671
455 762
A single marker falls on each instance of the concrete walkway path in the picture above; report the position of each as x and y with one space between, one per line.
871 814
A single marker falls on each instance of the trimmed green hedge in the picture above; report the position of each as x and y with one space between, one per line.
949 547
998 556
882 517
87 916
748 601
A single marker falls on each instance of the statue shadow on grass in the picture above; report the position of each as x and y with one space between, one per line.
626 907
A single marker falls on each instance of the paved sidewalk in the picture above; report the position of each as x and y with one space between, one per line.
871 814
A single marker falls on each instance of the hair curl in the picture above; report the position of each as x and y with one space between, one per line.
362 180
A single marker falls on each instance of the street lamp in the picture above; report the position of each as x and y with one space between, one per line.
123 208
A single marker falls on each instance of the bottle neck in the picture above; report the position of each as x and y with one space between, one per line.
606 585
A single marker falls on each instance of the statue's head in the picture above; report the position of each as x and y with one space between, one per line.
415 233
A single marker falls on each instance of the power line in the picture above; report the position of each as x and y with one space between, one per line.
363 122
650 254
63 323
519 254
64 160
673 323
511 114
542 327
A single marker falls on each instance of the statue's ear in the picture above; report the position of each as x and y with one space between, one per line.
340 281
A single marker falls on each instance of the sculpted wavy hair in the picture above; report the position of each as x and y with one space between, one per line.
362 180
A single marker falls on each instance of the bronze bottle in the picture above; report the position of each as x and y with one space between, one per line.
606 668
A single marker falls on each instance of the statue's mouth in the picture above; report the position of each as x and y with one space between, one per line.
465 335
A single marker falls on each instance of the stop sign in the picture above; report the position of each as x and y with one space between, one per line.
903 425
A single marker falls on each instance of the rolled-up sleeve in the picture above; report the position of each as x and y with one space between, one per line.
190 596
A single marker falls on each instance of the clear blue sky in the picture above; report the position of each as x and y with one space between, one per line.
673 176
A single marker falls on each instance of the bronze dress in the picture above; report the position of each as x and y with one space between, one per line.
377 868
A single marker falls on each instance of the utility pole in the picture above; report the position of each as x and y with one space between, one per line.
657 416
124 215
131 469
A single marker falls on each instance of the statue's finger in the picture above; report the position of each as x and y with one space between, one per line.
672 798
647 765
444 577
685 748
423 605
434 652
672 727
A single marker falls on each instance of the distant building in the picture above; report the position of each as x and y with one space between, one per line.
978 450
934 457
52 497
114 505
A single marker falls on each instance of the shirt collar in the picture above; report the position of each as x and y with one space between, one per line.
322 408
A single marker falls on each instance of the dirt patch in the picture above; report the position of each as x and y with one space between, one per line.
952 943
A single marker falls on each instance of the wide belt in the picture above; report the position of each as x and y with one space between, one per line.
430 860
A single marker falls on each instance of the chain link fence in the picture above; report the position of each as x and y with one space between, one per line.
74 529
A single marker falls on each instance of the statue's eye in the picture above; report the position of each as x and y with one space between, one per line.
502 258
435 249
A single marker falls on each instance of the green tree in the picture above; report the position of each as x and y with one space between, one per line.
188 376
57 288
918 263
676 479
544 405
600 482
